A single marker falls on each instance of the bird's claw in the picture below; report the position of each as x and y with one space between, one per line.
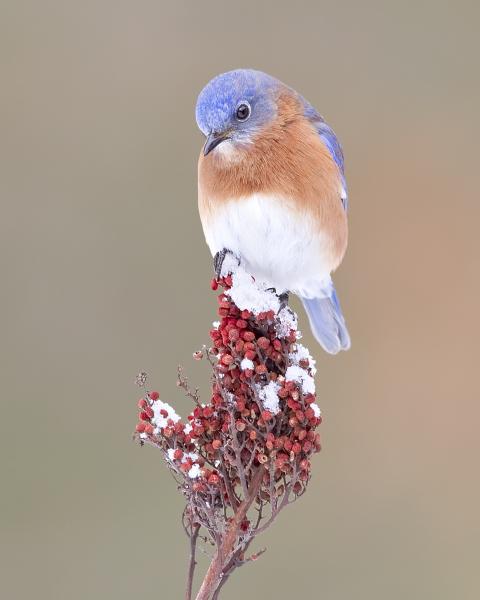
218 261
283 298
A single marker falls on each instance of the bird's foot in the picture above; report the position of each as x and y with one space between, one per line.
218 261
283 298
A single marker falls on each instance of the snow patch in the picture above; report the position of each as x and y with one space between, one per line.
160 420
269 397
299 375
247 364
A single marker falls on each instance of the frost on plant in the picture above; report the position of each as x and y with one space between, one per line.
245 455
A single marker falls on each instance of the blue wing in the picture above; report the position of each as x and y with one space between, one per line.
331 142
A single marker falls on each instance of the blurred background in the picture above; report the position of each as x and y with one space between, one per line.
105 272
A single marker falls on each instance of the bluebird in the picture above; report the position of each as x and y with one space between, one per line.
272 191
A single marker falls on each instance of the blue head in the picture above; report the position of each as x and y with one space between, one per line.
235 105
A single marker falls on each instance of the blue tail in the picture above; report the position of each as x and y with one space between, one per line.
327 322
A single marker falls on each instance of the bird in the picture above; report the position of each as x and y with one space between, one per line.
272 191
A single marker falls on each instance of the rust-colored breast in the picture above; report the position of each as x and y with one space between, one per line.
287 159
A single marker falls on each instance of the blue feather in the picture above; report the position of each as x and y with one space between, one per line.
327 321
330 140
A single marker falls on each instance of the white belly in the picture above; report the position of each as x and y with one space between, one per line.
276 243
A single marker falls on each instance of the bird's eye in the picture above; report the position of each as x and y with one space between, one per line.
243 111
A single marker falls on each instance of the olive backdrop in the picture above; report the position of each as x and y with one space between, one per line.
104 271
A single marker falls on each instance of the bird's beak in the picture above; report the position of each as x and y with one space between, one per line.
213 139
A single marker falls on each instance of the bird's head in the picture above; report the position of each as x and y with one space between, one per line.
233 107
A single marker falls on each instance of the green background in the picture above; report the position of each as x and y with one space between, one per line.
105 272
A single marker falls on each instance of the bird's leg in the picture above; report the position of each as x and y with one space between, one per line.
218 261
283 300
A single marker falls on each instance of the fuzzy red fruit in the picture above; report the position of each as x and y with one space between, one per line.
216 444
140 428
266 415
227 359
214 284
239 346
302 434
214 479
263 343
148 428
305 464
233 335
297 488
142 403
261 369
178 454
250 354
154 396
307 446
296 448
143 416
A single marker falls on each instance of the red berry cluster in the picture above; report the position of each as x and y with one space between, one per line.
225 443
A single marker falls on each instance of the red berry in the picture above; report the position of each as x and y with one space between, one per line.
307 446
263 343
227 359
296 448
154 396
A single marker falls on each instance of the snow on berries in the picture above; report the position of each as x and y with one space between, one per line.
261 416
